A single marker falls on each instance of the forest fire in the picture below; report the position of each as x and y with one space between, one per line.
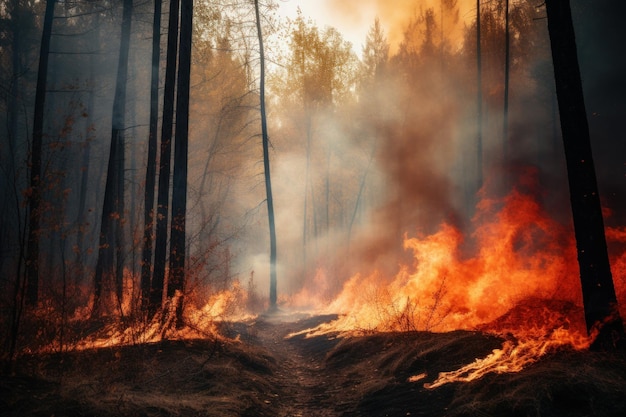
234 208
519 281
520 253
122 328
514 356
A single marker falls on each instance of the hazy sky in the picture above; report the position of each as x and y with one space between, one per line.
353 18
326 13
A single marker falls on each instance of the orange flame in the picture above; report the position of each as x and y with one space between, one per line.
201 320
521 282
521 253
512 357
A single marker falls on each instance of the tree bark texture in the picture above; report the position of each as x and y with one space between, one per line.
34 215
176 281
167 126
599 297
507 69
111 229
479 100
266 163
150 183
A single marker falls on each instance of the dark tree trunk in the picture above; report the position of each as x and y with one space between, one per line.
82 219
507 70
10 233
307 185
14 98
479 99
176 281
160 248
266 162
600 302
111 228
82 203
34 215
146 259
104 264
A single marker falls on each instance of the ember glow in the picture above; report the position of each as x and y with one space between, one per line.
418 175
520 282
512 357
201 322
520 254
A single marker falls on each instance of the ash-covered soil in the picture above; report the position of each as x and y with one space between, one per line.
260 372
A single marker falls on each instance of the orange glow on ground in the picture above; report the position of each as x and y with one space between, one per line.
521 282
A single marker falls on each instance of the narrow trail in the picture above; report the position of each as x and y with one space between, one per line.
304 387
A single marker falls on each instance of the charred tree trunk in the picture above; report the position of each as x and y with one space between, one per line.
479 99
82 219
146 258
111 228
266 162
176 281
104 264
34 201
160 248
12 112
599 299
9 235
507 70
307 182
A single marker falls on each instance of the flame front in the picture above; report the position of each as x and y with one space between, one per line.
514 356
520 281
520 254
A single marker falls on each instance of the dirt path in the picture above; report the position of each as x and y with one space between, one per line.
303 385
264 374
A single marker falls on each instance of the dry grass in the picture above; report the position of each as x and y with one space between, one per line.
169 378
565 383
358 376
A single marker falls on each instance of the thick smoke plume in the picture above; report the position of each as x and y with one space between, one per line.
420 117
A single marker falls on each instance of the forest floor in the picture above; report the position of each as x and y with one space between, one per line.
258 371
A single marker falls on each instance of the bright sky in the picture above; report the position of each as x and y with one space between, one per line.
353 18
353 26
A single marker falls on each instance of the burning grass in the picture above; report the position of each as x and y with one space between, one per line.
516 279
260 372
510 341
563 382
519 253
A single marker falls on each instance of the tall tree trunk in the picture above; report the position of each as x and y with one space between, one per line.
82 205
14 99
307 182
507 67
479 99
266 162
104 264
10 219
599 299
133 218
146 258
81 219
34 215
176 281
359 197
111 228
160 248
327 192
11 226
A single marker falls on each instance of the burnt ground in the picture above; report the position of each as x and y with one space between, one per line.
263 373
